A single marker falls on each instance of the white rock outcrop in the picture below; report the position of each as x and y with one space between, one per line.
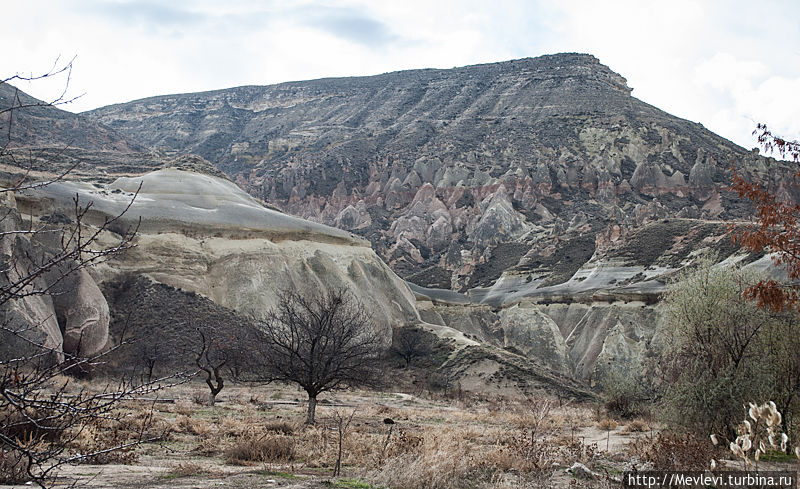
203 234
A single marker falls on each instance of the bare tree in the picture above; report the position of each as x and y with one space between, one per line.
210 356
41 410
409 343
342 422
321 342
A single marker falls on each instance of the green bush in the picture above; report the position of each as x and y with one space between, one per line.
723 351
625 395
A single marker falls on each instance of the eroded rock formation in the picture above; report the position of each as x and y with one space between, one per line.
442 169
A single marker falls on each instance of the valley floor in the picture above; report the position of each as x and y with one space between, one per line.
254 437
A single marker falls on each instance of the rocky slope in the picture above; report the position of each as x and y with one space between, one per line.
536 209
457 175
28 122
605 316
206 254
203 234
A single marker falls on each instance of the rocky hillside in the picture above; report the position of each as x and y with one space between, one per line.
203 234
457 175
35 123
534 206
206 254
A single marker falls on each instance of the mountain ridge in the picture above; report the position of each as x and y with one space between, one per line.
37 124
533 205
433 165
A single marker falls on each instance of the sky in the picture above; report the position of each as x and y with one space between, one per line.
725 64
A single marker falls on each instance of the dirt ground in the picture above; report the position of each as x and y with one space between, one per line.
254 437
512 443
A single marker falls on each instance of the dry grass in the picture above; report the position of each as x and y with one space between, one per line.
119 429
13 469
185 469
674 451
637 426
96 438
260 447
184 408
432 443
207 447
282 427
444 459
607 424
194 426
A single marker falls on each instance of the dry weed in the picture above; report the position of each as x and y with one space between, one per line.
207 446
673 451
282 427
260 447
234 427
194 426
185 469
148 425
13 468
100 443
184 408
574 416
637 426
607 424
521 454
443 460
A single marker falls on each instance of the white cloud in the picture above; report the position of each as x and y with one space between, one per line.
747 94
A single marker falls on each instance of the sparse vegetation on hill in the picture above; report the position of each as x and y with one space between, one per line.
562 240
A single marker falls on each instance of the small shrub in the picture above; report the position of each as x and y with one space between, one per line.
523 454
207 446
403 443
147 424
185 469
194 426
235 427
282 427
261 448
96 440
49 426
674 451
637 426
201 398
184 408
624 394
607 424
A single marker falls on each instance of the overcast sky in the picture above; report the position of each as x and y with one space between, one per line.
725 64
